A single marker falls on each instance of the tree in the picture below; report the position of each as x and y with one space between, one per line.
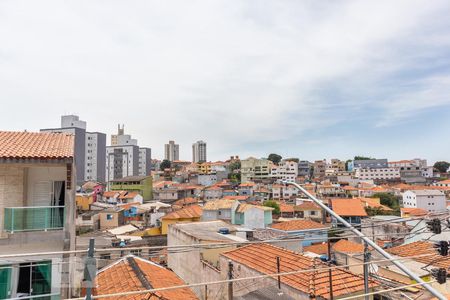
236 165
387 199
363 157
165 164
274 204
275 158
441 166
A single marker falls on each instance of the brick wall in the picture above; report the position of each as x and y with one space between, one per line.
11 189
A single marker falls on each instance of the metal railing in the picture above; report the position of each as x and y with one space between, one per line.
33 218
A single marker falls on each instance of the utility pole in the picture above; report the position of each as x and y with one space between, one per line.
330 272
371 243
366 270
90 270
278 271
230 283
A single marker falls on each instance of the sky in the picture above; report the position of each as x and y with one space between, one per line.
308 79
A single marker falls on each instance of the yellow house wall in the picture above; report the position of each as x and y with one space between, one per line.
165 223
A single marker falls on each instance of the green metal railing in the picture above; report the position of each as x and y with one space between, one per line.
33 218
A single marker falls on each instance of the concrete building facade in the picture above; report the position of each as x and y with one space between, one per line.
199 152
172 151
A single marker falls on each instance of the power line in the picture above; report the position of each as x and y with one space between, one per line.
272 275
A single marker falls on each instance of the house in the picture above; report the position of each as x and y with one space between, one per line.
246 261
308 210
412 212
37 212
200 264
84 201
111 218
140 274
375 205
251 216
262 193
218 210
343 249
429 200
188 214
130 197
110 196
304 228
140 184
246 188
352 210
286 210
212 192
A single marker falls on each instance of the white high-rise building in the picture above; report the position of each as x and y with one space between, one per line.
90 149
172 151
199 152
125 158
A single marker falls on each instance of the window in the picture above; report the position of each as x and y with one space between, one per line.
312 213
109 217
105 256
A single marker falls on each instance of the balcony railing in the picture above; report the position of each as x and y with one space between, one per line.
34 218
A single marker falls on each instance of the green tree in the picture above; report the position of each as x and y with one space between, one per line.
236 165
165 164
362 157
275 158
441 166
274 204
387 199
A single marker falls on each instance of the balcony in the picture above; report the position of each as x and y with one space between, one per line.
37 218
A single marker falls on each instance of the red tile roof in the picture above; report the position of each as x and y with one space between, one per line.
307 205
286 208
120 277
348 207
188 212
298 225
346 246
317 248
36 145
419 248
417 212
315 283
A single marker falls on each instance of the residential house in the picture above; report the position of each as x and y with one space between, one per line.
140 184
110 196
308 210
111 218
429 200
311 231
343 249
319 168
212 192
251 216
412 212
188 214
262 193
37 212
253 169
375 205
139 274
218 210
246 188
246 261
286 210
83 201
352 210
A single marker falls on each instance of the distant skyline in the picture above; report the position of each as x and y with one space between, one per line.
303 79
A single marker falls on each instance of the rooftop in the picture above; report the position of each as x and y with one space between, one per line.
422 247
348 207
219 204
314 283
188 212
208 231
132 273
36 145
346 246
295 225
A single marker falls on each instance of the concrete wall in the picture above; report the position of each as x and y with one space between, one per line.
11 190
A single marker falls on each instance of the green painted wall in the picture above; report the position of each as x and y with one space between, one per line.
145 188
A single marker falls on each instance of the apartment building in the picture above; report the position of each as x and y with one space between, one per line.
254 169
285 170
320 167
429 200
172 151
392 173
37 213
370 163
125 158
90 148
304 168
413 171
199 152
337 165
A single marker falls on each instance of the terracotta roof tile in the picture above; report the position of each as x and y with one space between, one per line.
346 246
307 205
417 212
219 204
314 283
348 207
317 248
191 211
298 225
286 208
120 277
419 248
244 207
36 145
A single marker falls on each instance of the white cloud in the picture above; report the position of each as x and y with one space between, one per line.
231 73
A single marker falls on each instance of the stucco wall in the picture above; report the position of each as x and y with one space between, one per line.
11 190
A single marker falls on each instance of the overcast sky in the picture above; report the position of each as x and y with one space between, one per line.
309 79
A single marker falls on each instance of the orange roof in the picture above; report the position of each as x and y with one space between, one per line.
188 212
121 277
348 207
422 247
307 205
247 184
286 208
417 212
346 246
349 188
236 197
447 181
128 195
374 203
298 225
36 145
314 283
110 194
317 248
185 201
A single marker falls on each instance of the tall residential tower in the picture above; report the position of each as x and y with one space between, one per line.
199 152
172 151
